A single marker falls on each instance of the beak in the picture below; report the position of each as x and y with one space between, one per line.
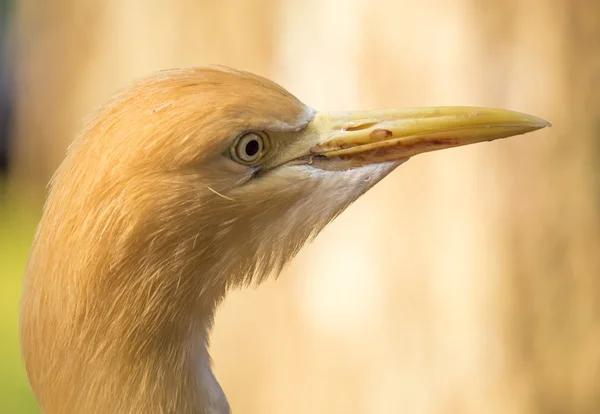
368 137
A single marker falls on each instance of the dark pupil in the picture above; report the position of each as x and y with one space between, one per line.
252 148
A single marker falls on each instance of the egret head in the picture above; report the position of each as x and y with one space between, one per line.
183 185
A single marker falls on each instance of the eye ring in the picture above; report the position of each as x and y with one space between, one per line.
249 147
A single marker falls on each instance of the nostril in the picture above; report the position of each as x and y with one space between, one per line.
359 126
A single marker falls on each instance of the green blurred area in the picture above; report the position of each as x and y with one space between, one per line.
17 226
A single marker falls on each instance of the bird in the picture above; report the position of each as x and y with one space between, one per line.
185 184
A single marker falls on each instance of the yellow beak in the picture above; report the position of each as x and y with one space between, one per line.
367 137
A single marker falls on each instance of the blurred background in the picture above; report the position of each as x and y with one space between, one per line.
468 281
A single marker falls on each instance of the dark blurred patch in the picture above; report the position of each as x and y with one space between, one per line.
6 96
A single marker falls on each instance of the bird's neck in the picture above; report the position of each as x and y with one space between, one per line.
135 352
116 318
174 377
166 370
208 389
195 387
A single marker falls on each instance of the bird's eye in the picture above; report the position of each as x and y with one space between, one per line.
249 147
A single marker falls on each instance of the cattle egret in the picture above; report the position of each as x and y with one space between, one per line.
184 185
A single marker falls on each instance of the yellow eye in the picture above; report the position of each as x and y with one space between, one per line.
249 147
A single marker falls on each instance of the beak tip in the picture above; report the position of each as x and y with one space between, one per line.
545 124
542 123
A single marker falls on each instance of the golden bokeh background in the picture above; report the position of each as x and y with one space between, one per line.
468 281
